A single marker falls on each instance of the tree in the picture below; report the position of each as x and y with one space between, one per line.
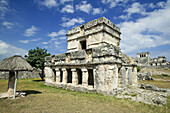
36 58
138 69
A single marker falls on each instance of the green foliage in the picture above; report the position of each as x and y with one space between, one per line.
118 43
36 58
138 69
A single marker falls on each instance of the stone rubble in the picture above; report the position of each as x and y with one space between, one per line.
144 76
154 97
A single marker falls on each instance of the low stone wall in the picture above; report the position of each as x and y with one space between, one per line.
22 74
156 67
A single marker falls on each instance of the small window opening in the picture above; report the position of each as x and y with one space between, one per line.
83 44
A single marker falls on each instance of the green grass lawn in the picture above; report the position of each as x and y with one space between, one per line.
45 99
161 81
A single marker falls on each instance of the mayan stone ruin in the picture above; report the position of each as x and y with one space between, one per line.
144 59
93 62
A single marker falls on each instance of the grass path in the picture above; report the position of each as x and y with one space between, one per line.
45 99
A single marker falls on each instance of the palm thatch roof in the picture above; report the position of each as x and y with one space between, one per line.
15 63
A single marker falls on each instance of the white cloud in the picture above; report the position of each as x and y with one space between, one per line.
135 8
30 31
98 11
62 38
160 4
114 3
124 17
4 8
24 41
71 22
49 3
44 43
8 25
151 5
7 50
55 34
150 31
27 41
68 9
162 53
63 1
84 7
57 43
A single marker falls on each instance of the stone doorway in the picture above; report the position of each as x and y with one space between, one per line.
61 75
79 73
54 75
69 76
91 77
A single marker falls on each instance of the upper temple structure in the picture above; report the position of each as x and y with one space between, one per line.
93 61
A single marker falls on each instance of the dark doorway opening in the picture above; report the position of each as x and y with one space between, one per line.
83 44
61 75
54 75
69 76
79 73
91 77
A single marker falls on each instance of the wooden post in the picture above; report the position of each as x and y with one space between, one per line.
15 86
11 82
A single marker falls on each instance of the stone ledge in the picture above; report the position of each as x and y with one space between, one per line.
68 86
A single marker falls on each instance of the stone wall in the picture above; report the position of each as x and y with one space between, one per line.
22 74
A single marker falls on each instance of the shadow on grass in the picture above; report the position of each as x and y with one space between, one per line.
28 92
38 80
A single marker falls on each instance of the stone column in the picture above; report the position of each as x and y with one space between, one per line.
94 73
11 83
115 77
48 74
74 77
134 76
57 75
121 77
109 79
85 77
129 76
64 76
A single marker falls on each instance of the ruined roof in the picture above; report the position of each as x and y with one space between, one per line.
94 23
161 57
15 63
143 53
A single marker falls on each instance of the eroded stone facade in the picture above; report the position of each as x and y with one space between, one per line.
93 61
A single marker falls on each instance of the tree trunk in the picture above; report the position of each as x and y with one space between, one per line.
42 74
11 82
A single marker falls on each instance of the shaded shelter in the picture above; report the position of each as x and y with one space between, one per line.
14 64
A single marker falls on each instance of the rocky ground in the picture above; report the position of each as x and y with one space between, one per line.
146 93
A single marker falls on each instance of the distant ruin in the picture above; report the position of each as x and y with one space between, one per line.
144 59
93 62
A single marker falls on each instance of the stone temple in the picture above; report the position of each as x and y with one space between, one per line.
144 59
93 62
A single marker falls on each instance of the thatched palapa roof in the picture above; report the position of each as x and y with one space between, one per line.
15 63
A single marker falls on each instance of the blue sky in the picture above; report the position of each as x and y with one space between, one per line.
27 24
